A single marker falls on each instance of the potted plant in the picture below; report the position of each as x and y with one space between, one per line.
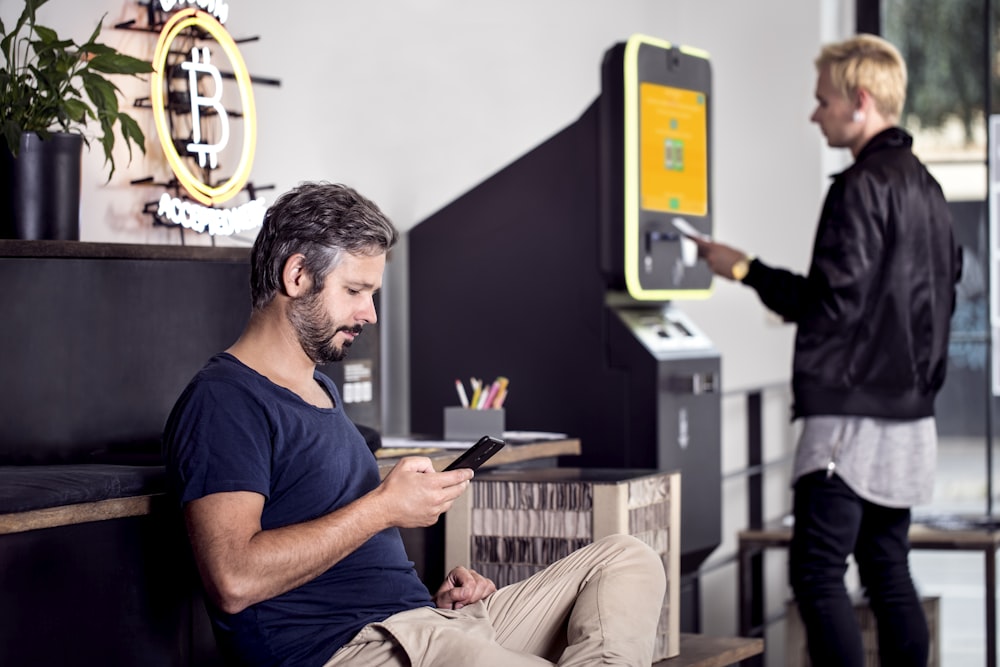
53 92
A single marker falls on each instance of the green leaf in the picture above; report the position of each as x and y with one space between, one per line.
96 48
97 31
111 62
48 35
132 133
33 5
102 93
76 110
48 83
108 143
12 136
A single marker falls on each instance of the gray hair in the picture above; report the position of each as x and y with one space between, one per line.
322 221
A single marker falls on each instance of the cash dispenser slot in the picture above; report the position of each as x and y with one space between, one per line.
694 384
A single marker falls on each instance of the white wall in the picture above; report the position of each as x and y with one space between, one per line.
415 101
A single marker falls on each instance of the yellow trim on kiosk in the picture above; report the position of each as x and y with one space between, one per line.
631 118
202 192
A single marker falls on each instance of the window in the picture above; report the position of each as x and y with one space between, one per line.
952 82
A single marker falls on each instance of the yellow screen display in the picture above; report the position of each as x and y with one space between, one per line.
673 150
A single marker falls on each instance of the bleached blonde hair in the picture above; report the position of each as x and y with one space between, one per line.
871 63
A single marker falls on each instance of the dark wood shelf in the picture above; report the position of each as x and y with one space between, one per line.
85 250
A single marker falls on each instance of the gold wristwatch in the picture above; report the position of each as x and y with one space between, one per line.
741 268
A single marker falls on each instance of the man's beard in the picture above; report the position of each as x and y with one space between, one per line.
315 330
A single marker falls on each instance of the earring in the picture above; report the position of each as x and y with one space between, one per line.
858 116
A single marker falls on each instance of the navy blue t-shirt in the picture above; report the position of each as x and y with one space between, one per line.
234 430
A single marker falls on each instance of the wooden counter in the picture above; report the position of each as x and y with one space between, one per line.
141 505
531 451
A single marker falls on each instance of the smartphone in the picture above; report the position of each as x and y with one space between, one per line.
478 454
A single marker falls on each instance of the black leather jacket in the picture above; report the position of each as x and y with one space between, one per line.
874 312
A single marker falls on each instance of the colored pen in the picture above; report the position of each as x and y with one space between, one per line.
460 388
500 395
477 389
494 388
483 395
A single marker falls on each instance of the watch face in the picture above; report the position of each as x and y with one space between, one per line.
740 269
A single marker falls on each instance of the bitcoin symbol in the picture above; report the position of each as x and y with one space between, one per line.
201 63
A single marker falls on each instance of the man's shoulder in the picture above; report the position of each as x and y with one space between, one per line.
223 380
889 169
225 368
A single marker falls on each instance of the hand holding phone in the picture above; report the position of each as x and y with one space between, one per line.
478 454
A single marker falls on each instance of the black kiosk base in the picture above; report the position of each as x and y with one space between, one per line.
507 281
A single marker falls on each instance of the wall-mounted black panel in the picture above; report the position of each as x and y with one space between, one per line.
98 341
505 280
97 349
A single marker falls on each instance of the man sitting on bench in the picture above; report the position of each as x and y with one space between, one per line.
295 536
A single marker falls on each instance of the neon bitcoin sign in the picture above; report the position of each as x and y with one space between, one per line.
204 96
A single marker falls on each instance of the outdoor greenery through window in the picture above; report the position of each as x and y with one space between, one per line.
944 45
951 82
950 47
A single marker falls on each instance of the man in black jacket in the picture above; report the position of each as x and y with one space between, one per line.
871 349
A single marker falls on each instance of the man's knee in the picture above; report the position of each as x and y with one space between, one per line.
815 566
626 543
634 553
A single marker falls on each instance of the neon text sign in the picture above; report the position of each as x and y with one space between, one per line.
217 8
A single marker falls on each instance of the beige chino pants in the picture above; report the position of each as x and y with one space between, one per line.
598 606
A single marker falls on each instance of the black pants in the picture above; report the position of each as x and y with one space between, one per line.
832 522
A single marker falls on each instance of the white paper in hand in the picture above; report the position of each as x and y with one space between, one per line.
687 229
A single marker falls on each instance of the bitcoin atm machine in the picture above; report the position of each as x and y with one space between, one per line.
561 272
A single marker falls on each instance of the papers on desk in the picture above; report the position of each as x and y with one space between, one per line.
511 437
522 437
399 452
406 443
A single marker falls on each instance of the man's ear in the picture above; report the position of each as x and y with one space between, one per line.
863 101
294 277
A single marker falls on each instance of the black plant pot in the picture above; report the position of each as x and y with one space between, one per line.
41 188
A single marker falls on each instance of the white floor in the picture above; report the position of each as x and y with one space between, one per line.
958 578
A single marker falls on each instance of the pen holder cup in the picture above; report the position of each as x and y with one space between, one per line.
468 424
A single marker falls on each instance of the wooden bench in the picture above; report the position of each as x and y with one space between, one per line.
37 497
752 543
704 651
94 567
